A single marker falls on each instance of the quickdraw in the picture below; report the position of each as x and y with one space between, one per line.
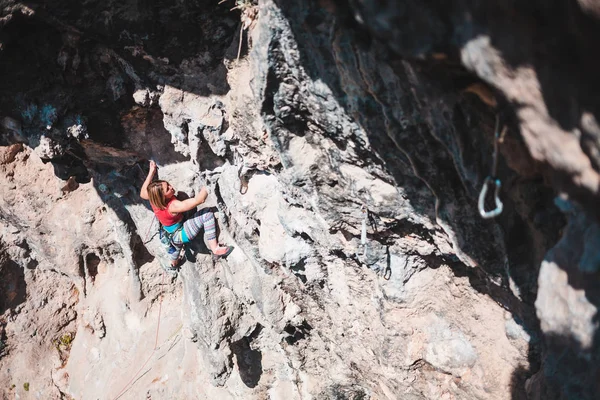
363 230
492 180
368 218
166 239
238 159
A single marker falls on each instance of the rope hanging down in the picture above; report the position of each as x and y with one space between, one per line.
148 238
127 386
492 179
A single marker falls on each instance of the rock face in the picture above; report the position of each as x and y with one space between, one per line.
344 145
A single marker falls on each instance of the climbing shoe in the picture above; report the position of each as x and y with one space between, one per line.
222 252
173 269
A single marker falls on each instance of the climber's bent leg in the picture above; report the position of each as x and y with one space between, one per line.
173 249
210 231
201 219
204 219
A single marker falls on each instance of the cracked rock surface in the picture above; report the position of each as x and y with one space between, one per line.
344 145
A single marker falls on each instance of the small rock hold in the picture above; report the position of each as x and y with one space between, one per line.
70 186
514 331
99 327
8 154
95 353
78 131
142 97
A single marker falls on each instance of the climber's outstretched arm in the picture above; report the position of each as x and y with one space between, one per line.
177 206
144 191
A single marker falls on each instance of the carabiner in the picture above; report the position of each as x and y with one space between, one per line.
481 203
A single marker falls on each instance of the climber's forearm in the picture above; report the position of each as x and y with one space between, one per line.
185 205
144 190
189 204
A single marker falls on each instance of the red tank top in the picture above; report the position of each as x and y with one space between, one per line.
165 217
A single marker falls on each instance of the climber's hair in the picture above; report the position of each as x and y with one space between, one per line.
156 195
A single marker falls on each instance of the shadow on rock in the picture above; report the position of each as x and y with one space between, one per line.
249 361
118 190
569 291
12 285
69 80
69 77
447 147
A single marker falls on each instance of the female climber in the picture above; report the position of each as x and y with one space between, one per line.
169 211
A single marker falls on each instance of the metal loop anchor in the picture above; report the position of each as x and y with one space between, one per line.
492 180
481 203
363 230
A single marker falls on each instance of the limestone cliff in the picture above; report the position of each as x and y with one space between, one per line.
344 144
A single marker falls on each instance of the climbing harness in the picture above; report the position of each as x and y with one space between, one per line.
492 179
166 239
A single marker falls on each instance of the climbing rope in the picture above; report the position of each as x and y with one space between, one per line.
122 392
146 240
492 179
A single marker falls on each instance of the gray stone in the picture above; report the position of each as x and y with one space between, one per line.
330 108
448 348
